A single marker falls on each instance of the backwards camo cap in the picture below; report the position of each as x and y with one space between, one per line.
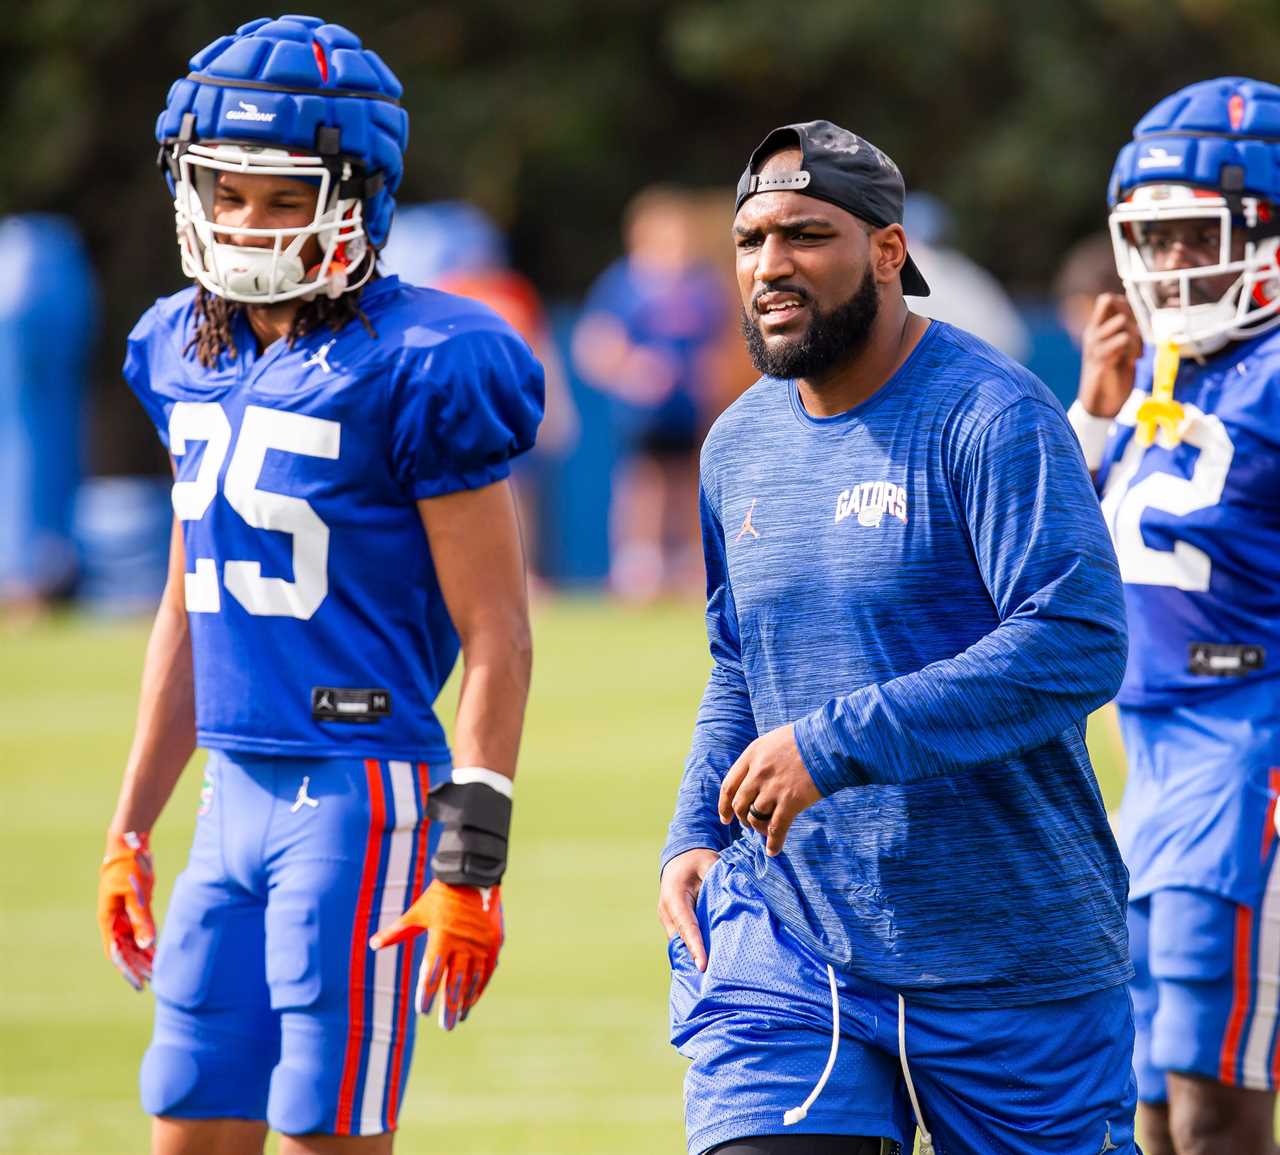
838 167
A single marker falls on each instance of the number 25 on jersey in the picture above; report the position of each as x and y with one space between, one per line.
261 429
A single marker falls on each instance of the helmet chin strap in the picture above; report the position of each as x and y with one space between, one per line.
1177 327
252 272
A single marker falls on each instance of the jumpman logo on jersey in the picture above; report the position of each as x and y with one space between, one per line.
1107 1145
747 527
303 799
321 356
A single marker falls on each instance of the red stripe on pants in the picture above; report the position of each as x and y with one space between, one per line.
360 949
406 959
1241 971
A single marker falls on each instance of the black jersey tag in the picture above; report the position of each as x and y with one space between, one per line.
1213 660
334 704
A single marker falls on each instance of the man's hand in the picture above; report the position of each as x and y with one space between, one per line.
125 884
677 892
1110 348
768 786
464 934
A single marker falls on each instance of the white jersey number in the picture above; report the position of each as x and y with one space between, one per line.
260 430
1184 567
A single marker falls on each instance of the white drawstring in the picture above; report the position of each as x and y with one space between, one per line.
794 1116
926 1140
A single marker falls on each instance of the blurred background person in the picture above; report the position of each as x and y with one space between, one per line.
48 324
1087 271
648 327
1057 320
457 247
964 293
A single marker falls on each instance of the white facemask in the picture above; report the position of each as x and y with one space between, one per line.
269 274
1249 306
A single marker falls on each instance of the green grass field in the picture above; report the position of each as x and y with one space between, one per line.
569 1043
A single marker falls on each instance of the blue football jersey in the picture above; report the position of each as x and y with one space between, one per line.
317 623
1196 528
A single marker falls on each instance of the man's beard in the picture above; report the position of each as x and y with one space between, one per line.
832 337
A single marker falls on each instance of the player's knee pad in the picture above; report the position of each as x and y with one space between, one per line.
192 1082
1191 956
170 1080
298 1103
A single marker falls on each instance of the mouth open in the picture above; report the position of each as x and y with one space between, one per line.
778 309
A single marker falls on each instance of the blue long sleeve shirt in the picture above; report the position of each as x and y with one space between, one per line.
924 586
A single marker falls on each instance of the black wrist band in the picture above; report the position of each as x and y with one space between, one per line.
475 819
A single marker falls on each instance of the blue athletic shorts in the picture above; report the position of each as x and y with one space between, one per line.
269 1003
1205 993
1031 1080
1197 828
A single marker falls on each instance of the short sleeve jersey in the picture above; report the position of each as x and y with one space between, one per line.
1196 528
317 622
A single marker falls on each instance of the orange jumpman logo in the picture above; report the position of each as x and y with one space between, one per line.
747 527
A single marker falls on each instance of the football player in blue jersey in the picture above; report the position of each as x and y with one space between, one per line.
892 897
343 526
1184 437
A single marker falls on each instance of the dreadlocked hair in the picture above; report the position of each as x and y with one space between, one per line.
215 319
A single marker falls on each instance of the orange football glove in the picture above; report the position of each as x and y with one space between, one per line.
464 935
124 907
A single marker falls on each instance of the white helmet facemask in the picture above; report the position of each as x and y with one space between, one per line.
1199 323
267 273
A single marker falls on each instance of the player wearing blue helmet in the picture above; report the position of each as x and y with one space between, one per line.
343 527
1178 414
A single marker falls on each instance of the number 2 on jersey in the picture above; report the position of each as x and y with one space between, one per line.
261 429
1184 567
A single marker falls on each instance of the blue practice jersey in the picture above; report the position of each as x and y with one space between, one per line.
924 586
317 623
1197 529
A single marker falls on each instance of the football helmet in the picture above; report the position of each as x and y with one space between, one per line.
1202 173
292 97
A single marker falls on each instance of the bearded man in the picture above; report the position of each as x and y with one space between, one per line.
889 851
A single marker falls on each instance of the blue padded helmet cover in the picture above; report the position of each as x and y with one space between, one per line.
1219 134
276 83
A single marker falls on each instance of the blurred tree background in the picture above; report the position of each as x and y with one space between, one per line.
550 114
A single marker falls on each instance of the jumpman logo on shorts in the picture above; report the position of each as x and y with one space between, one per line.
303 799
1107 1145
747 527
